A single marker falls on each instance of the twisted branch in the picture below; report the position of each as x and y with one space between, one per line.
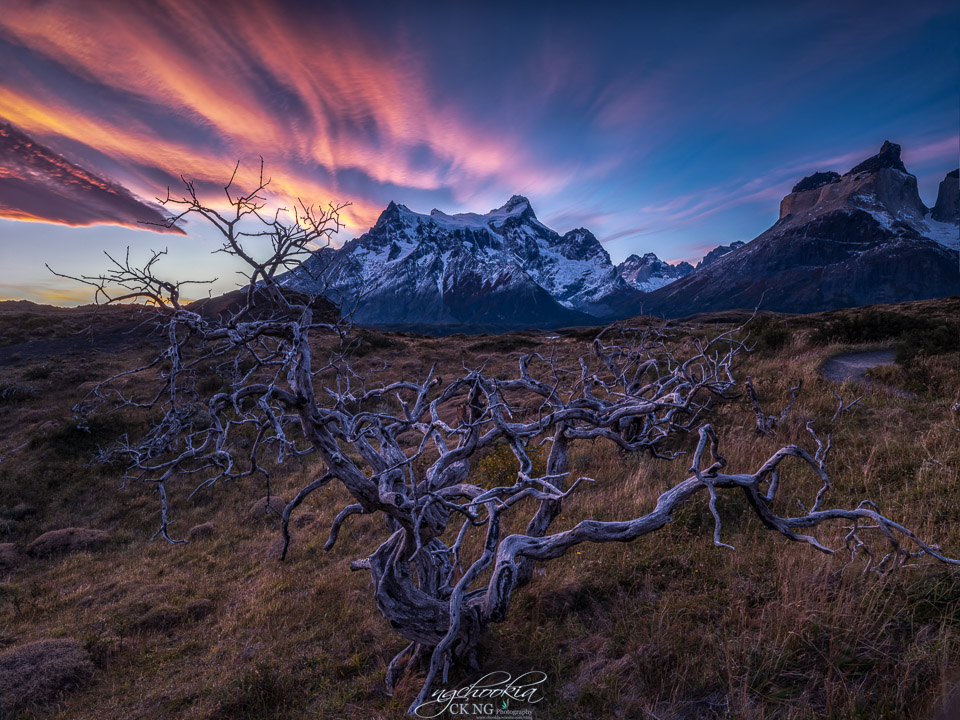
282 395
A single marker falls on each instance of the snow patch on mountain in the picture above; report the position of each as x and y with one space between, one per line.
649 273
945 233
412 267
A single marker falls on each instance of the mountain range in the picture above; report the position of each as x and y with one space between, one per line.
841 240
502 268
649 272
860 238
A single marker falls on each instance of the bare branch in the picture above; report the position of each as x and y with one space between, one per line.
841 408
271 380
767 423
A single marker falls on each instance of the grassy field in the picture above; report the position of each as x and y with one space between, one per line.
668 626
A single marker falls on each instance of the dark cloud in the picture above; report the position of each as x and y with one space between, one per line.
38 184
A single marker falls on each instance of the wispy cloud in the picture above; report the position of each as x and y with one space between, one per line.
934 150
37 184
656 129
317 98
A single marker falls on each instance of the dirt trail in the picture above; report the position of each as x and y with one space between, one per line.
853 365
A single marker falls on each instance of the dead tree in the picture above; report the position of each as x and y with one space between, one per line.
841 407
445 569
767 423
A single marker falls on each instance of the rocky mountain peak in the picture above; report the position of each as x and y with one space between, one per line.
649 272
880 185
390 215
582 245
818 179
515 201
719 251
516 206
947 208
888 157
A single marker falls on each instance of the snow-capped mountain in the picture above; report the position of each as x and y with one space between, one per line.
719 251
842 240
501 268
649 273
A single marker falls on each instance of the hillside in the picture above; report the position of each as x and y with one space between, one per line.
667 625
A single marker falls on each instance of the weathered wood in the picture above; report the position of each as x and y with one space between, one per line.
640 388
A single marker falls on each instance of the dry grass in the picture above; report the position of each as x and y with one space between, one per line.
668 625
67 540
32 674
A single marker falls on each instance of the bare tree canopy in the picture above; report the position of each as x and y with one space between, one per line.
446 569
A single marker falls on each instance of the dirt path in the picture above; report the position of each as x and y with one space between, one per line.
852 366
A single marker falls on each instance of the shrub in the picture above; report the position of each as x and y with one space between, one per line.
37 372
10 558
68 540
15 394
867 326
767 334
262 691
500 466
915 335
935 340
504 343
72 441
369 341
584 333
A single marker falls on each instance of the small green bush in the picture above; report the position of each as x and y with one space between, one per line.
72 441
500 466
914 335
369 341
584 333
868 326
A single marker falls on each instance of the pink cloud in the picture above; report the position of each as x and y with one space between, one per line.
359 105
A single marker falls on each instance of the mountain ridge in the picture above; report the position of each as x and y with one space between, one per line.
649 272
858 238
500 267
861 238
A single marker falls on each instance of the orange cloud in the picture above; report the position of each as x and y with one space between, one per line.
313 95
45 294
37 184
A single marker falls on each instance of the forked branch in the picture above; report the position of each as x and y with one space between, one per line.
404 449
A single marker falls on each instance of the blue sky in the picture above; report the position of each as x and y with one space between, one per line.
661 130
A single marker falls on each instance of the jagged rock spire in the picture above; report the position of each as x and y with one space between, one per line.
888 157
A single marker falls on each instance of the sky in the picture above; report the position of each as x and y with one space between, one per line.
666 130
